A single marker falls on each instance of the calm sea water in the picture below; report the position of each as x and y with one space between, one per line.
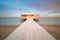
19 20
10 20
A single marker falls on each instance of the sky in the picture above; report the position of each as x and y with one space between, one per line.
14 8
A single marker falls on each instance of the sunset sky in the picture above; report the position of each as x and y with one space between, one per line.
15 7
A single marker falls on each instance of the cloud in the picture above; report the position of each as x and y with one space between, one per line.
15 7
10 15
48 4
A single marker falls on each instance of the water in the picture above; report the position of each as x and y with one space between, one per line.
19 20
49 20
9 20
